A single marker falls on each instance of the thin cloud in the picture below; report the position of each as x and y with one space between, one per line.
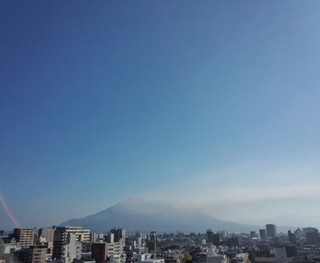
237 203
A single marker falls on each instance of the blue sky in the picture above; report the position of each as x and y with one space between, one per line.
185 100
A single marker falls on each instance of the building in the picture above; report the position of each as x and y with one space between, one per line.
24 236
119 234
22 255
47 234
312 235
110 237
213 238
112 252
173 259
37 254
71 250
292 238
292 251
147 258
213 257
61 238
312 238
253 234
263 234
271 230
84 261
99 252
116 253
241 258
234 241
8 245
298 233
152 242
278 255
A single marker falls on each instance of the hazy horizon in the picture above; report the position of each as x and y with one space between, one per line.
207 105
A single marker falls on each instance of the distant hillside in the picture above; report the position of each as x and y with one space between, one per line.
146 216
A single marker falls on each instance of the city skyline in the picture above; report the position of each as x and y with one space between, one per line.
210 105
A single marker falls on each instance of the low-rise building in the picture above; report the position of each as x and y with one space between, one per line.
147 258
241 258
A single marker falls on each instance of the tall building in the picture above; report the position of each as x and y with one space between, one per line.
298 233
71 250
100 252
213 238
24 236
292 251
152 242
110 237
119 234
271 230
263 234
312 235
61 238
46 236
292 238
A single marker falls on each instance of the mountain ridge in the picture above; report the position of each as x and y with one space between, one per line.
145 216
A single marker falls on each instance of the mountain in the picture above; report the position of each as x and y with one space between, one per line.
145 216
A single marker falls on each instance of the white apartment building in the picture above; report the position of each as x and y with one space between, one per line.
146 258
71 250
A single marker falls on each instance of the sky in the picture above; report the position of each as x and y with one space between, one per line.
211 105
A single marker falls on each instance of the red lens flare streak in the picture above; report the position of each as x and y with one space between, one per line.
7 210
